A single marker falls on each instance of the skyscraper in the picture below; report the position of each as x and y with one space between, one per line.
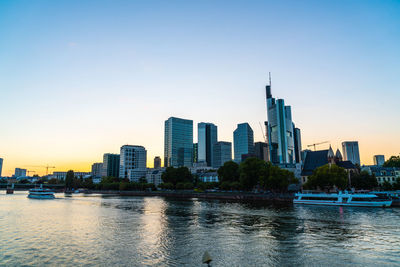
222 152
379 160
133 161
207 137
110 165
280 131
1 166
261 150
157 162
297 144
351 152
243 140
178 142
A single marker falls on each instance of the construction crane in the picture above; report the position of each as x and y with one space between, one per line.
262 131
47 168
316 144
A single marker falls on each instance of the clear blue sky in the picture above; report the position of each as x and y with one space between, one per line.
80 78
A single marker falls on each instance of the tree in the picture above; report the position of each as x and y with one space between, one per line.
394 161
69 179
396 185
387 186
363 180
327 176
142 180
250 172
229 172
177 175
278 179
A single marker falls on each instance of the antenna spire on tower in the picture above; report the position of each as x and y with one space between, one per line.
269 78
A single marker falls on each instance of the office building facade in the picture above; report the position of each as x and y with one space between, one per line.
178 142
261 150
157 162
1 166
97 169
243 141
195 153
207 134
283 148
222 152
20 172
379 160
133 160
351 152
110 166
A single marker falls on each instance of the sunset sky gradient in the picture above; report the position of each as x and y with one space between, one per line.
82 78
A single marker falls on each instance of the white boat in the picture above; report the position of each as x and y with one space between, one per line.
342 199
41 193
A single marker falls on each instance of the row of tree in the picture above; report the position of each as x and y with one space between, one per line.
250 174
331 175
394 161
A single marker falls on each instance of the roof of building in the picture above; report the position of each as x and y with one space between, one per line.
338 154
347 164
314 159
330 153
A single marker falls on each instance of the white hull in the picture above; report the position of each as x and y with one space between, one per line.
41 196
351 204
342 199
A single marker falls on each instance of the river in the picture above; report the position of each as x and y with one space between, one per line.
153 231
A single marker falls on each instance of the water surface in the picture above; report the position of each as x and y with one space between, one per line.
151 231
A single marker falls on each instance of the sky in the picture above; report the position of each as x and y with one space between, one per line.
82 78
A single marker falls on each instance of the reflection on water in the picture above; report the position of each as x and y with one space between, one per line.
137 231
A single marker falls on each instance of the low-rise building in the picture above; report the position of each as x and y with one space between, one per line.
63 175
208 177
383 174
153 176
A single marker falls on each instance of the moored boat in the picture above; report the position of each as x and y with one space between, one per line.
342 199
41 193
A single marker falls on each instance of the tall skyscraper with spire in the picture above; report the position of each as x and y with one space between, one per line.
284 141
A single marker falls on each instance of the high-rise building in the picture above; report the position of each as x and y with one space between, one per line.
379 160
97 169
297 144
243 140
195 153
110 165
157 162
281 131
178 142
207 137
351 152
20 172
261 150
1 166
222 152
133 160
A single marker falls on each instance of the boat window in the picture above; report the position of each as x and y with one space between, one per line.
320 198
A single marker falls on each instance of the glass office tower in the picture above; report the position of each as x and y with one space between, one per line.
207 137
243 140
351 152
178 142
222 152
281 133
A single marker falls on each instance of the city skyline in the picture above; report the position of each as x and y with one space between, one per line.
76 85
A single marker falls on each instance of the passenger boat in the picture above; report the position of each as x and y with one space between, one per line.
342 199
41 193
